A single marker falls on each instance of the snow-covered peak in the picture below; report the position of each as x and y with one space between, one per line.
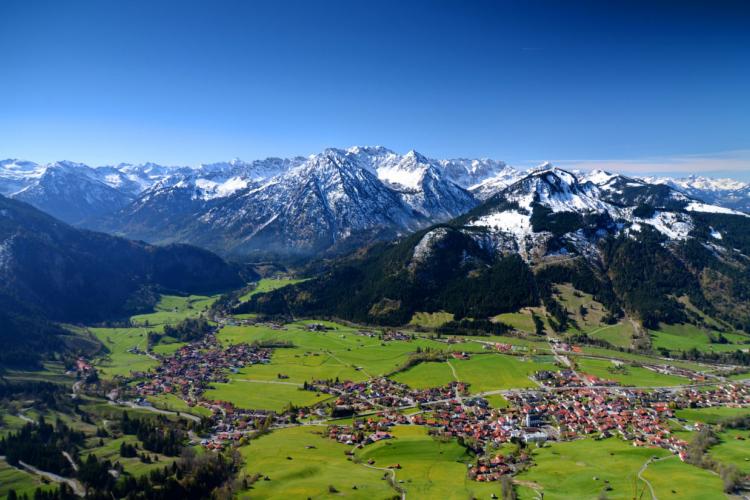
469 173
700 183
504 178
19 166
598 177
405 172
556 189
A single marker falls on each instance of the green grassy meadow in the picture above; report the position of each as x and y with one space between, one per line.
118 361
684 337
340 352
430 320
425 375
301 463
430 468
484 372
521 321
579 469
263 395
173 308
710 415
23 483
634 376
266 285
734 449
173 403
487 372
111 450
672 478
591 323
170 309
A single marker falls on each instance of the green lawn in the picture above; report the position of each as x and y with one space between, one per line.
497 401
22 482
640 358
173 403
330 354
424 375
672 478
519 320
429 468
734 449
268 285
118 361
684 337
301 463
710 415
169 310
173 309
487 372
430 320
134 466
263 395
619 334
634 376
568 470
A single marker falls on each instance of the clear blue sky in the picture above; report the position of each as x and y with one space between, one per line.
186 82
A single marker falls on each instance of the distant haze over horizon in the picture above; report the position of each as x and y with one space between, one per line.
732 165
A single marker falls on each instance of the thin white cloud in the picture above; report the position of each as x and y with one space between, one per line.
726 162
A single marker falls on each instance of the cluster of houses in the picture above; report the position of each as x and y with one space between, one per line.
388 335
191 369
534 416
494 468
230 424
568 379
382 393
397 335
363 431
566 406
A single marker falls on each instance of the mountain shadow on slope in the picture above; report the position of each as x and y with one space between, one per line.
52 271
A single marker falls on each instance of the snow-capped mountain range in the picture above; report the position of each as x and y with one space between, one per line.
553 212
330 200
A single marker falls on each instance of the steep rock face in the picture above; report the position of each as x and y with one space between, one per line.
310 208
336 199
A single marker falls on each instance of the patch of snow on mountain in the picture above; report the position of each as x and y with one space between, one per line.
211 189
703 207
407 172
675 226
598 177
488 187
511 222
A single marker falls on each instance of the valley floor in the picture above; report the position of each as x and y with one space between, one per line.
323 409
